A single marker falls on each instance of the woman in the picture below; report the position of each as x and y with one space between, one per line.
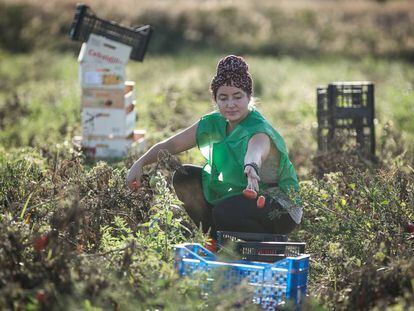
242 151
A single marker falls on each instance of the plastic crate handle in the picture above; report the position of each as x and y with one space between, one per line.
192 250
77 21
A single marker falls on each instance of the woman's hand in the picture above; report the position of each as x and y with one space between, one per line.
133 178
182 141
257 152
252 178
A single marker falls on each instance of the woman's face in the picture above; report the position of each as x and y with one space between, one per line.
233 103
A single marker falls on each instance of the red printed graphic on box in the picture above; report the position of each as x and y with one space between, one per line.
100 50
110 59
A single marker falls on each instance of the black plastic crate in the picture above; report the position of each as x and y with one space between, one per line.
345 112
86 22
269 251
262 247
224 237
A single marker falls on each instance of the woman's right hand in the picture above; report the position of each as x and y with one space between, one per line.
182 141
133 178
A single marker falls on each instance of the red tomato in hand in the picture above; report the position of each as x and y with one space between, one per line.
135 185
250 193
261 202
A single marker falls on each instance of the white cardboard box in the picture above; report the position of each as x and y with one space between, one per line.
100 50
115 147
103 121
104 98
102 63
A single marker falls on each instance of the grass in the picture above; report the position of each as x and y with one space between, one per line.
172 93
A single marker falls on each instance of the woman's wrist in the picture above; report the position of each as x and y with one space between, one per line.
254 165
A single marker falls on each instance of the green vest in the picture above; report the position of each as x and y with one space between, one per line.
223 174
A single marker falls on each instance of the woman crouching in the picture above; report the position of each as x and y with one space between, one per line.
244 156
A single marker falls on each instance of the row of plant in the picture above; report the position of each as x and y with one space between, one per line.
76 238
73 236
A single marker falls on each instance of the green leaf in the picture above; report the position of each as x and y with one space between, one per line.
169 217
25 206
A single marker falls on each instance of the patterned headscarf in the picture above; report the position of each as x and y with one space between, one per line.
232 70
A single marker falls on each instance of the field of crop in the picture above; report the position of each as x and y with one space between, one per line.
74 237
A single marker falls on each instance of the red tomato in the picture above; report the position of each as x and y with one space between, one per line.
410 227
261 201
41 242
40 296
250 193
211 245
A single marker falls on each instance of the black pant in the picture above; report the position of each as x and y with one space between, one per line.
236 213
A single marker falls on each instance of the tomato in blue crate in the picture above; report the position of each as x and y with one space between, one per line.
245 157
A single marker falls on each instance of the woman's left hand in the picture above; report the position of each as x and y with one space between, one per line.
252 178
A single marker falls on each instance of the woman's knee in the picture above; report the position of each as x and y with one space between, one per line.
284 224
179 176
186 175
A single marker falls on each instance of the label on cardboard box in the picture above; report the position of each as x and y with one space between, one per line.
101 50
102 76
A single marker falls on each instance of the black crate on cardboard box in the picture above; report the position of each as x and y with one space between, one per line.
86 22
345 112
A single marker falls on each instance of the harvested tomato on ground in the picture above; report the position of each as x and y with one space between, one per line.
40 296
41 242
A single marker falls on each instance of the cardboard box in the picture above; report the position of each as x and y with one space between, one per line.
134 135
104 98
102 121
100 50
111 147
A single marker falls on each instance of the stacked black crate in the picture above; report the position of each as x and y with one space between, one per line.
345 112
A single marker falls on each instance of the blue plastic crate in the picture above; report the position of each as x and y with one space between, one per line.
273 284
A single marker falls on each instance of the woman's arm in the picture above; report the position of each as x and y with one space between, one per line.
258 150
177 143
